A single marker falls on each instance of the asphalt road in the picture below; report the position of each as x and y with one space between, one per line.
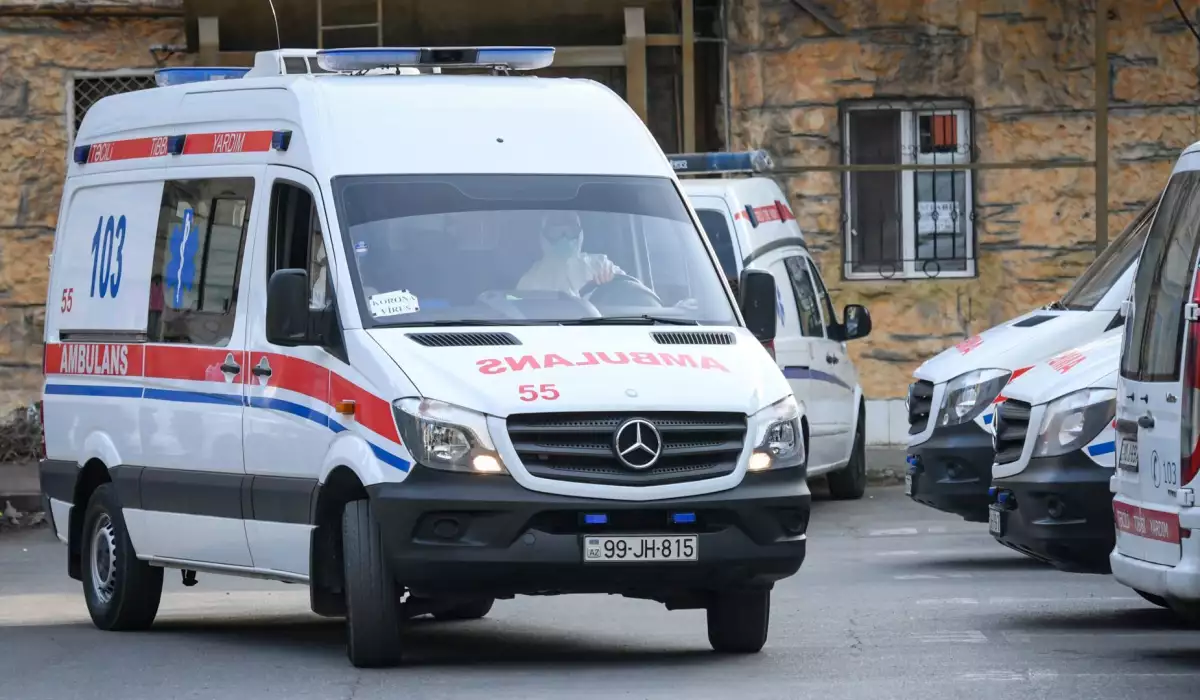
895 601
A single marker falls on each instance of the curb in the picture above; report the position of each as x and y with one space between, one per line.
886 464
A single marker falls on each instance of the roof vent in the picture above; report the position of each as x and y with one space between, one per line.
462 340
693 338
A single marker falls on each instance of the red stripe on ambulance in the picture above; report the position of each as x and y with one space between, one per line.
227 142
129 149
1142 522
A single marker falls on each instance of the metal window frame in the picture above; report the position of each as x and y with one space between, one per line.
909 109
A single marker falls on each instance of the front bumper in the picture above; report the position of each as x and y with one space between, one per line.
1080 539
951 471
471 535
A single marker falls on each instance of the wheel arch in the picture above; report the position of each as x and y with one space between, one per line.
91 476
327 590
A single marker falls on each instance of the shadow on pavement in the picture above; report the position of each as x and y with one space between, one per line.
431 643
966 564
1147 619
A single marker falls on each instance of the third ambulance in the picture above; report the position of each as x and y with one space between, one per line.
750 225
1054 456
1158 407
950 404
415 341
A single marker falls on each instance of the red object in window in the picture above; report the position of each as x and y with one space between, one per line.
945 131
770 346
1190 425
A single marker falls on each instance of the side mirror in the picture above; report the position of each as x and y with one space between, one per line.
757 298
856 321
287 307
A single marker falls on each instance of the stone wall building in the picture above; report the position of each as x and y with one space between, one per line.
954 82
961 84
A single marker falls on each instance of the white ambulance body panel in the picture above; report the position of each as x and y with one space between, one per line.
1089 366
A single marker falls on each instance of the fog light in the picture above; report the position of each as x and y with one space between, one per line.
486 464
759 461
1056 508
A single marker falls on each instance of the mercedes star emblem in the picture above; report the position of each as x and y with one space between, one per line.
637 443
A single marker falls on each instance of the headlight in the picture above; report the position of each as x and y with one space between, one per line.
1074 420
447 437
779 440
968 395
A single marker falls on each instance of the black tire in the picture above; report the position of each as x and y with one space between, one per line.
738 621
474 610
373 621
1151 598
850 482
122 591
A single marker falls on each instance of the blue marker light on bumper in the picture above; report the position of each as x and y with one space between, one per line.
595 519
683 518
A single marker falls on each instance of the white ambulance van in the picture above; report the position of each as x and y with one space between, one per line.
950 404
750 226
1158 407
1055 453
440 337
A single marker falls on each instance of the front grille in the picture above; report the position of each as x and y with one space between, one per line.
920 404
1011 425
579 446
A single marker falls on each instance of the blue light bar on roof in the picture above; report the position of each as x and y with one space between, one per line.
709 163
165 77
510 57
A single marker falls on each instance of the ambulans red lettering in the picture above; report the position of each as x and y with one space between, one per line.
111 360
229 143
522 362
677 360
158 146
493 365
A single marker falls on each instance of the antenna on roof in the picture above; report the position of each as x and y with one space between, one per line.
278 41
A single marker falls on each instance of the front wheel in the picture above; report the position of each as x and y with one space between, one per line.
122 591
850 482
373 621
738 621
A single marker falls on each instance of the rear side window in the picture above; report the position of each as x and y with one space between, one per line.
197 260
716 227
1153 343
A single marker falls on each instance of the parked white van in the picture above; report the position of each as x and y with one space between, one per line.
1158 407
1054 441
950 404
751 226
445 338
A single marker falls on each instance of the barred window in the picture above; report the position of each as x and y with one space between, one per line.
87 90
904 222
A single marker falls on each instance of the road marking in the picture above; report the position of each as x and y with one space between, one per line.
948 601
895 532
916 577
962 637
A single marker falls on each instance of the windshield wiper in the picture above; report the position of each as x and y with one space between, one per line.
644 319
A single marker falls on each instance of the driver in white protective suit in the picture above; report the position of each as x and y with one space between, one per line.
564 267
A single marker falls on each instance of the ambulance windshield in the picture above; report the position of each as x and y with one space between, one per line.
1108 267
518 249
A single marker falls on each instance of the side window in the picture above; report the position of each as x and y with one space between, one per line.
806 298
296 242
716 227
197 260
831 318
1162 285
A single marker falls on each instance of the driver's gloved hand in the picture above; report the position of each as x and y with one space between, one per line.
603 271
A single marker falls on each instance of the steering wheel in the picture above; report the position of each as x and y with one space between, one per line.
598 293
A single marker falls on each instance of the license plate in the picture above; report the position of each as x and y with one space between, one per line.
640 548
995 520
908 484
1128 459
